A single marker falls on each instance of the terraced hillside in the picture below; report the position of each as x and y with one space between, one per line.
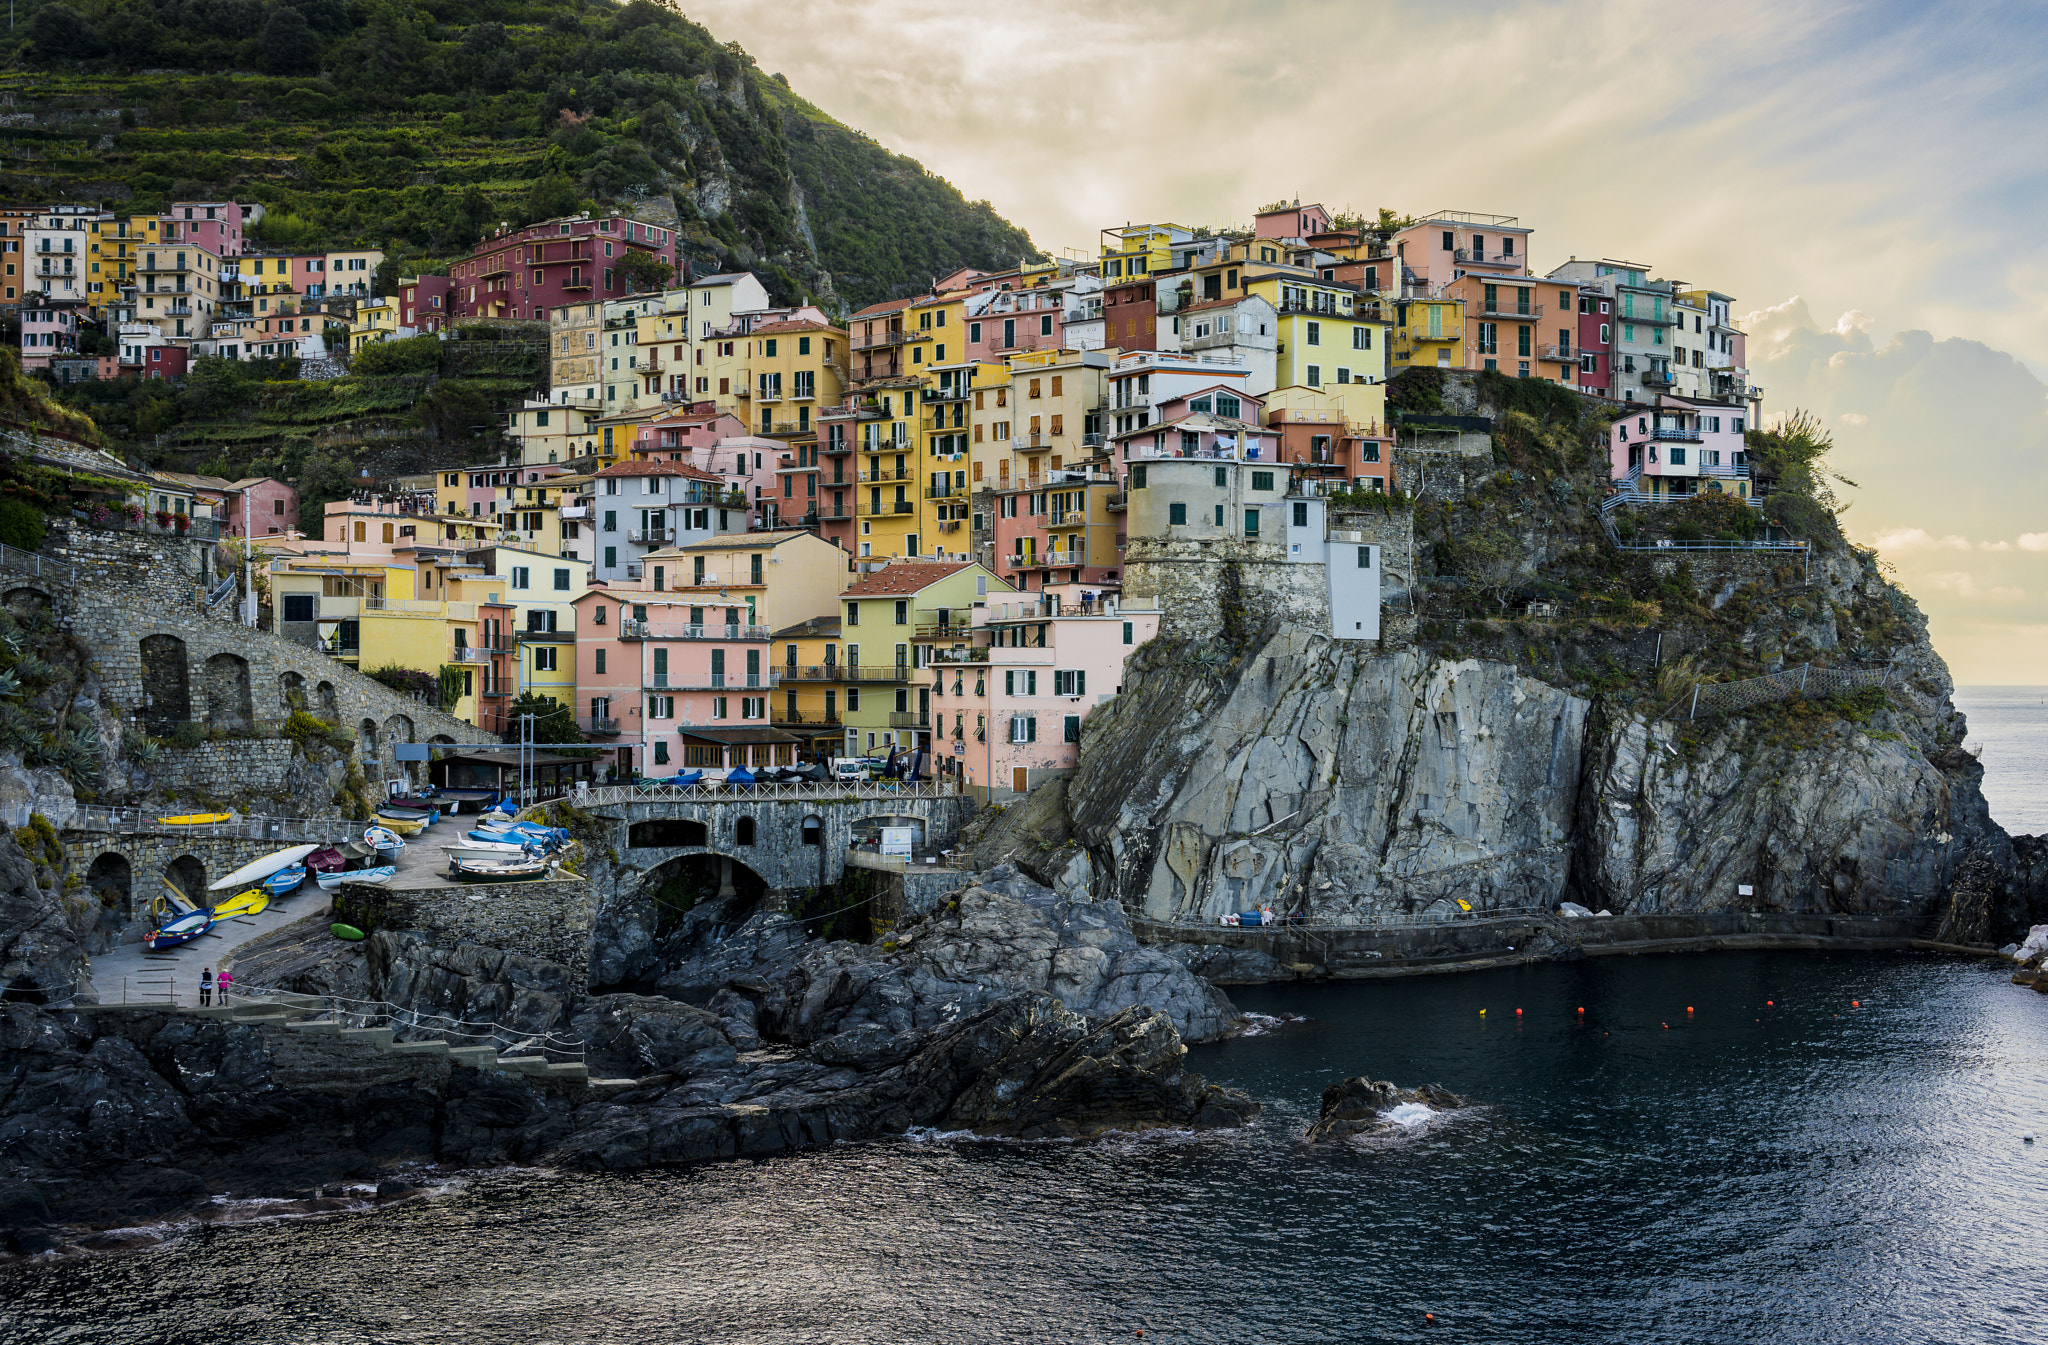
415 126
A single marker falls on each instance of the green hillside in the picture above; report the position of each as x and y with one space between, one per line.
415 126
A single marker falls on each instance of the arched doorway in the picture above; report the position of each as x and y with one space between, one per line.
112 880
323 696
188 874
743 831
291 692
166 684
366 735
227 692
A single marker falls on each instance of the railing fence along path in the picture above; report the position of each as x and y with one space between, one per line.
1715 698
373 1013
825 791
251 827
1286 924
17 561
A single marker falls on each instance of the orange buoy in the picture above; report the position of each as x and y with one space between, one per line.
1667 1027
1582 1008
1855 1003
1518 1013
1688 1008
1770 1004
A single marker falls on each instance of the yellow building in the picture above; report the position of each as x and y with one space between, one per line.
778 578
554 432
811 700
113 257
1324 336
1141 250
666 352
888 704
1428 333
796 367
376 320
1048 418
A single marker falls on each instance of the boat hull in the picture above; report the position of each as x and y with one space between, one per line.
257 870
285 880
373 877
175 932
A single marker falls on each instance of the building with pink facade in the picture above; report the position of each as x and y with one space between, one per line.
1596 341
1678 447
519 273
424 303
1008 710
213 225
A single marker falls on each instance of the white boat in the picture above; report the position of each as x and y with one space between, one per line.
487 848
376 877
256 870
383 838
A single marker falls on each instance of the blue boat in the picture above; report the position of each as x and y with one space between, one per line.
285 880
184 929
739 777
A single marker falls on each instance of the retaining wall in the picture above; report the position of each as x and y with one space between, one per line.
1202 587
552 920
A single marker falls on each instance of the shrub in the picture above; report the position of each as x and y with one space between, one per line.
409 681
412 355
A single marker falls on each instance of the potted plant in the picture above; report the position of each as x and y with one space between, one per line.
181 521
163 518
134 512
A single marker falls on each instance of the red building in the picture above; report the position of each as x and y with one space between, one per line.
1596 338
520 273
423 302
1130 314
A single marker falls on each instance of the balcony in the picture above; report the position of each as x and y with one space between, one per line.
1484 309
1670 434
945 492
869 509
1048 560
790 427
337 647
910 719
884 340
835 446
1315 308
1657 377
545 636
712 681
875 672
1557 354
1066 518
1210 342
943 394
972 654
904 474
1117 502
828 512
811 718
602 725
651 537
630 629
1449 333
1478 258
1652 319
463 653
1026 443
811 672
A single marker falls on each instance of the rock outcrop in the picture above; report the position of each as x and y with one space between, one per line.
1359 1107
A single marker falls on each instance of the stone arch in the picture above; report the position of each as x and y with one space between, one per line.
25 599
442 738
188 873
228 703
324 698
399 729
366 735
668 833
813 828
291 692
743 831
112 874
166 683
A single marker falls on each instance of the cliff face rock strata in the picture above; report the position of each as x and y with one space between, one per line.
1341 781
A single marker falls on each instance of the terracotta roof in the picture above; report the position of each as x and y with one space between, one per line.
640 467
792 325
886 306
818 627
1224 303
904 578
745 541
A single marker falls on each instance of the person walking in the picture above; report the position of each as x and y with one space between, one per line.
221 983
206 987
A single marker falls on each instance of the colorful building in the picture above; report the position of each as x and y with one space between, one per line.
523 272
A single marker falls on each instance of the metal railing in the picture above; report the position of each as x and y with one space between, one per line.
910 719
506 1041
597 724
1712 698
629 629
251 827
1284 923
18 561
827 791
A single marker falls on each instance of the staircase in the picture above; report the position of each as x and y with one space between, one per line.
308 1014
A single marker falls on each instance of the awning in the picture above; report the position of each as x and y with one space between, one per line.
510 760
733 737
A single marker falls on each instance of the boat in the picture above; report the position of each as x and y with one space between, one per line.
285 881
401 810
504 847
525 829
426 808
476 800
349 932
176 898
382 838
262 868
329 860
507 870
375 877
739 777
184 929
404 826
195 819
242 903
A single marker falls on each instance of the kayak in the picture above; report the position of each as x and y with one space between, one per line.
285 881
375 877
194 819
184 929
242 903
505 846
177 899
262 868
404 826
349 932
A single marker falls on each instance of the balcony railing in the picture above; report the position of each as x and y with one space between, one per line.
1489 258
1452 332
945 492
1495 310
1660 377
868 508
1117 501
943 394
910 719
630 629
1673 434
1028 442
650 536
905 474
969 654
1557 354
546 636
600 724
711 681
819 718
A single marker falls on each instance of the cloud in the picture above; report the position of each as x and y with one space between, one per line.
1918 539
1853 418
2034 541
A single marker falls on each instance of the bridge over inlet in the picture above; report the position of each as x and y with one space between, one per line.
792 836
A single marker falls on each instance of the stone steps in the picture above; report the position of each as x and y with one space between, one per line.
291 1013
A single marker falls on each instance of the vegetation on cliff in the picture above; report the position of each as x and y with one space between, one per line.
414 127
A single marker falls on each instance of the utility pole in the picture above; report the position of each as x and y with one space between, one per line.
525 759
249 563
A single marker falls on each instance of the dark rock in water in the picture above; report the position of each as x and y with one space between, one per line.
1358 1106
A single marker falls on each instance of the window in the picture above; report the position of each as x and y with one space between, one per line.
1315 333
1073 728
1128 632
298 607
902 612
1020 682
1251 522
1300 515
1073 683
1315 376
1361 338
544 658
753 707
853 614
561 578
1365 558
600 656
611 556
1262 480
1176 513
1023 728
1677 456
521 576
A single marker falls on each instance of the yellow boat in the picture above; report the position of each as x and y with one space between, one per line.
242 903
194 819
404 826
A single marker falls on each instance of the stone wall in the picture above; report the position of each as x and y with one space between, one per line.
240 767
140 863
1204 588
551 920
1718 574
1392 530
162 659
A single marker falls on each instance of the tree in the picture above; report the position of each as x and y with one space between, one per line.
552 723
552 196
60 33
290 46
645 271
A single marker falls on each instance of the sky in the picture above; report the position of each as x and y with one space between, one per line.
1870 180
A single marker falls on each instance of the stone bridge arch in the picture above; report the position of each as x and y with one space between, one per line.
327 705
112 873
228 701
166 683
188 873
26 598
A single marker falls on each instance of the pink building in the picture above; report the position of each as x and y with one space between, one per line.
272 508
1295 221
1009 710
166 362
47 333
1678 447
675 683
522 272
213 225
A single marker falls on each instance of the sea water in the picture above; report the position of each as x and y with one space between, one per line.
2009 725
1739 1147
